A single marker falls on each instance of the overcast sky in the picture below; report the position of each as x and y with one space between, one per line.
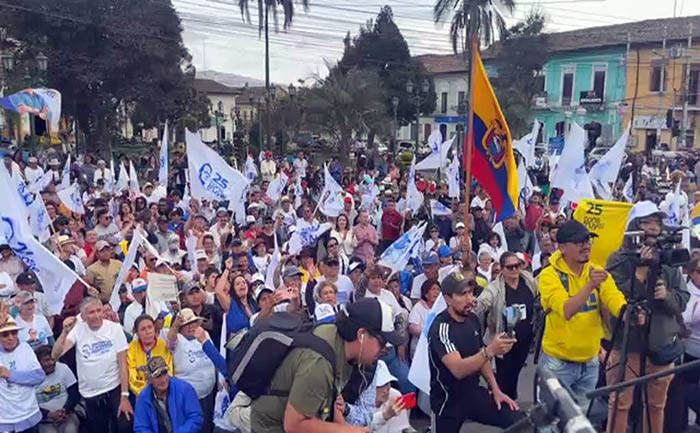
220 40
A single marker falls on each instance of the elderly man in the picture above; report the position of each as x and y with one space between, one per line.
103 377
20 372
167 404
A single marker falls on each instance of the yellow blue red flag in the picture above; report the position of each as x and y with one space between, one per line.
493 163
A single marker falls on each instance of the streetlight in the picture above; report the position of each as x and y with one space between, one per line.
292 90
8 61
217 116
42 62
417 100
395 103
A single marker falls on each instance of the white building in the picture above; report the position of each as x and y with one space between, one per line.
223 108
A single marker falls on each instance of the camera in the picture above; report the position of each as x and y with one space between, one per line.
664 251
512 315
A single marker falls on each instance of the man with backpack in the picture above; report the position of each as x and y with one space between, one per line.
304 392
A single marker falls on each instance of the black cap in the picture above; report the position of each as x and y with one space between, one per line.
573 231
456 283
377 317
26 278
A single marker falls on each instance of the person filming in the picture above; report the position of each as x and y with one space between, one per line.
659 295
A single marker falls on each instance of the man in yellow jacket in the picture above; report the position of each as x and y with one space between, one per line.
575 293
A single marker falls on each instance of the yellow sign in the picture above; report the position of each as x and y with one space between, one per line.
607 219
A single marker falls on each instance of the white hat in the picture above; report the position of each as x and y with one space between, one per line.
200 254
644 209
382 376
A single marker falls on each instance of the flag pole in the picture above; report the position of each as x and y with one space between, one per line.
469 139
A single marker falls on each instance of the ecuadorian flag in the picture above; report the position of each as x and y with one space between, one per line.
493 164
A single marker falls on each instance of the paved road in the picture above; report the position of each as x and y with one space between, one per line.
525 400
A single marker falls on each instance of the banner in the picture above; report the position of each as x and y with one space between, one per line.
251 170
38 216
277 186
55 277
70 197
65 176
123 181
396 256
306 236
606 170
526 145
439 209
607 219
43 103
571 175
162 288
164 162
42 182
331 202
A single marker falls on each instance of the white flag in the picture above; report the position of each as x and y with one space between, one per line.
71 198
397 254
526 145
438 156
414 198
331 202
526 186
275 188
212 178
675 207
606 170
38 216
628 190
369 195
439 209
124 271
65 177
453 178
191 245
109 182
251 170
42 182
306 236
55 277
134 189
571 175
123 181
164 159
298 192
419 374
498 229
272 266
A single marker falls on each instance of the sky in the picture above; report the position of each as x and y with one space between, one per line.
219 39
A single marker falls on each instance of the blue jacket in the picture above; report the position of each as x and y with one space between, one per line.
183 407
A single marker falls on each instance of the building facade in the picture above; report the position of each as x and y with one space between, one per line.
222 111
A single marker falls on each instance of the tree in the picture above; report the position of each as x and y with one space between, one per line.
104 55
346 103
521 56
381 48
472 19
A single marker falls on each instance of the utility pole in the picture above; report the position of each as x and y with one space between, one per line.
267 76
686 89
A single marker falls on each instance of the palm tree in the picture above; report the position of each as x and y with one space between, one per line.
472 19
264 9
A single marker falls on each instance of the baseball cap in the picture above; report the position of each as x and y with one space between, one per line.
431 259
200 254
444 251
257 278
356 264
190 286
155 367
459 225
100 245
375 316
291 271
261 291
382 376
573 231
138 285
25 297
221 210
250 219
456 283
25 278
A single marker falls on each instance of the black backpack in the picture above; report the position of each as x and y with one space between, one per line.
253 362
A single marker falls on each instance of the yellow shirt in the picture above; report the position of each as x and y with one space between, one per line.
576 339
305 275
136 357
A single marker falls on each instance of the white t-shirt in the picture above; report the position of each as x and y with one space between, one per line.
191 364
36 332
32 174
418 316
41 306
96 356
417 284
106 233
132 312
290 217
388 298
345 288
300 167
18 402
52 393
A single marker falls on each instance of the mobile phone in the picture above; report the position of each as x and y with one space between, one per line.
409 400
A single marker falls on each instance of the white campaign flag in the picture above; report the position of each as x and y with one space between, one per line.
396 256
675 206
628 190
438 156
42 182
71 199
212 178
526 186
453 178
109 183
277 186
498 229
439 209
606 170
191 245
124 271
164 159
526 145
273 265
306 236
571 175
55 277
251 170
331 203
38 216
134 189
369 195
414 198
123 181
419 374
298 192
65 177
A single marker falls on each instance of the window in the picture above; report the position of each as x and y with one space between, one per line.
540 82
693 86
443 102
567 88
599 74
657 81
461 102
559 128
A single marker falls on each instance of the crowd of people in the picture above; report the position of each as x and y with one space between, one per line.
145 366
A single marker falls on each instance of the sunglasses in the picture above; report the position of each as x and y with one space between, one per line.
512 267
8 334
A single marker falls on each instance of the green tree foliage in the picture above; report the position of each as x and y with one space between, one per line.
381 48
472 18
106 54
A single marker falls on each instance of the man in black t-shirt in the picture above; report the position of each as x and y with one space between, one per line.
458 357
